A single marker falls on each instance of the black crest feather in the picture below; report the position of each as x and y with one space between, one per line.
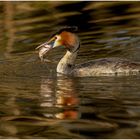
72 29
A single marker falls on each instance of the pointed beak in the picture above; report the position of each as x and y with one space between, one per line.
45 47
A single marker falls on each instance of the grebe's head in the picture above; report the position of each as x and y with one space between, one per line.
64 37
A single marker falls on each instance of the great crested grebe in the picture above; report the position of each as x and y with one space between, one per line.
106 66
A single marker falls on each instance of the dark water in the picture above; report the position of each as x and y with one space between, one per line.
36 103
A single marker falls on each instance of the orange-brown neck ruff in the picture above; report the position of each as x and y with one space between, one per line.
68 40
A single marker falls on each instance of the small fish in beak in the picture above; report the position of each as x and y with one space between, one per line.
43 49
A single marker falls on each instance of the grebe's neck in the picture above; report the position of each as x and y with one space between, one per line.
66 64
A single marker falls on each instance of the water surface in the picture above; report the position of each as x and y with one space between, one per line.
37 103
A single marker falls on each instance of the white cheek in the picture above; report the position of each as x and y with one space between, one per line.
58 37
57 42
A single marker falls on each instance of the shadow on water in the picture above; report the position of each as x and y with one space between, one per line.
35 102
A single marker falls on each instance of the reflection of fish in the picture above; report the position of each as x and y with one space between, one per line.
107 66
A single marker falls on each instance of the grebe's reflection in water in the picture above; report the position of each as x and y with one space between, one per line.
60 99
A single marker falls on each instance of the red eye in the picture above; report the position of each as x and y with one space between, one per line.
55 37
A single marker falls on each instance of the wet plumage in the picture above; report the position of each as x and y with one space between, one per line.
105 66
